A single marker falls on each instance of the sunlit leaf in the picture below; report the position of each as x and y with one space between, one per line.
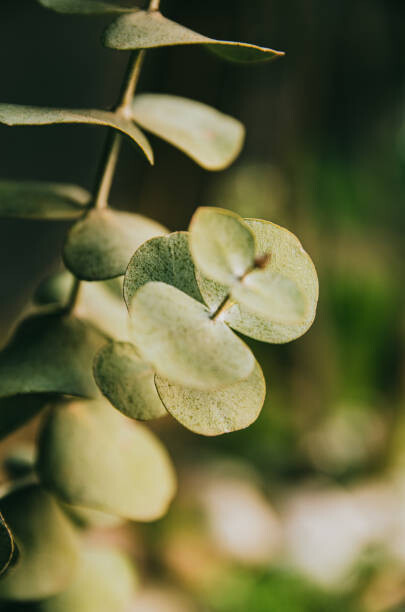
40 200
101 245
104 581
50 354
92 456
17 410
209 137
16 114
47 545
89 7
7 546
176 334
127 381
143 30
286 257
272 296
222 245
166 259
212 413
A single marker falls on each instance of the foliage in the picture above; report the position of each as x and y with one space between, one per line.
186 293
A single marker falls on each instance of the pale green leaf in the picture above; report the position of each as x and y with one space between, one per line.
272 296
47 544
16 114
222 245
89 7
176 334
50 354
144 30
86 518
17 410
209 137
100 246
104 581
40 200
286 257
92 456
166 259
7 546
212 413
127 381
98 304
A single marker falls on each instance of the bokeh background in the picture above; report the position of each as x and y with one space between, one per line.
305 510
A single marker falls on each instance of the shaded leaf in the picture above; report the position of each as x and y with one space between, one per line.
89 7
166 259
17 114
272 296
212 413
176 335
17 410
54 289
222 245
288 258
100 246
144 30
50 354
209 137
92 456
127 381
47 544
104 581
7 546
20 460
40 200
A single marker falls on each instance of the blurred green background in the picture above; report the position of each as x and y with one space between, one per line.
305 510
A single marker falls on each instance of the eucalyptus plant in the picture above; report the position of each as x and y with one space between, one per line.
140 324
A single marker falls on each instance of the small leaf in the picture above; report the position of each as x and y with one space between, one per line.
16 114
50 354
166 259
127 381
288 258
177 336
89 7
40 200
222 245
92 456
212 413
209 137
7 546
272 296
146 30
100 246
104 581
54 289
18 410
47 543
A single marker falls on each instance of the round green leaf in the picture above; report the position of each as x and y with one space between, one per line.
46 541
16 114
146 30
166 259
212 413
17 410
50 354
222 245
89 7
127 381
40 200
209 137
104 581
272 296
288 258
98 304
176 334
101 245
7 546
92 456
54 289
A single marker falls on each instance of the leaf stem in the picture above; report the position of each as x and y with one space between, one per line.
226 303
